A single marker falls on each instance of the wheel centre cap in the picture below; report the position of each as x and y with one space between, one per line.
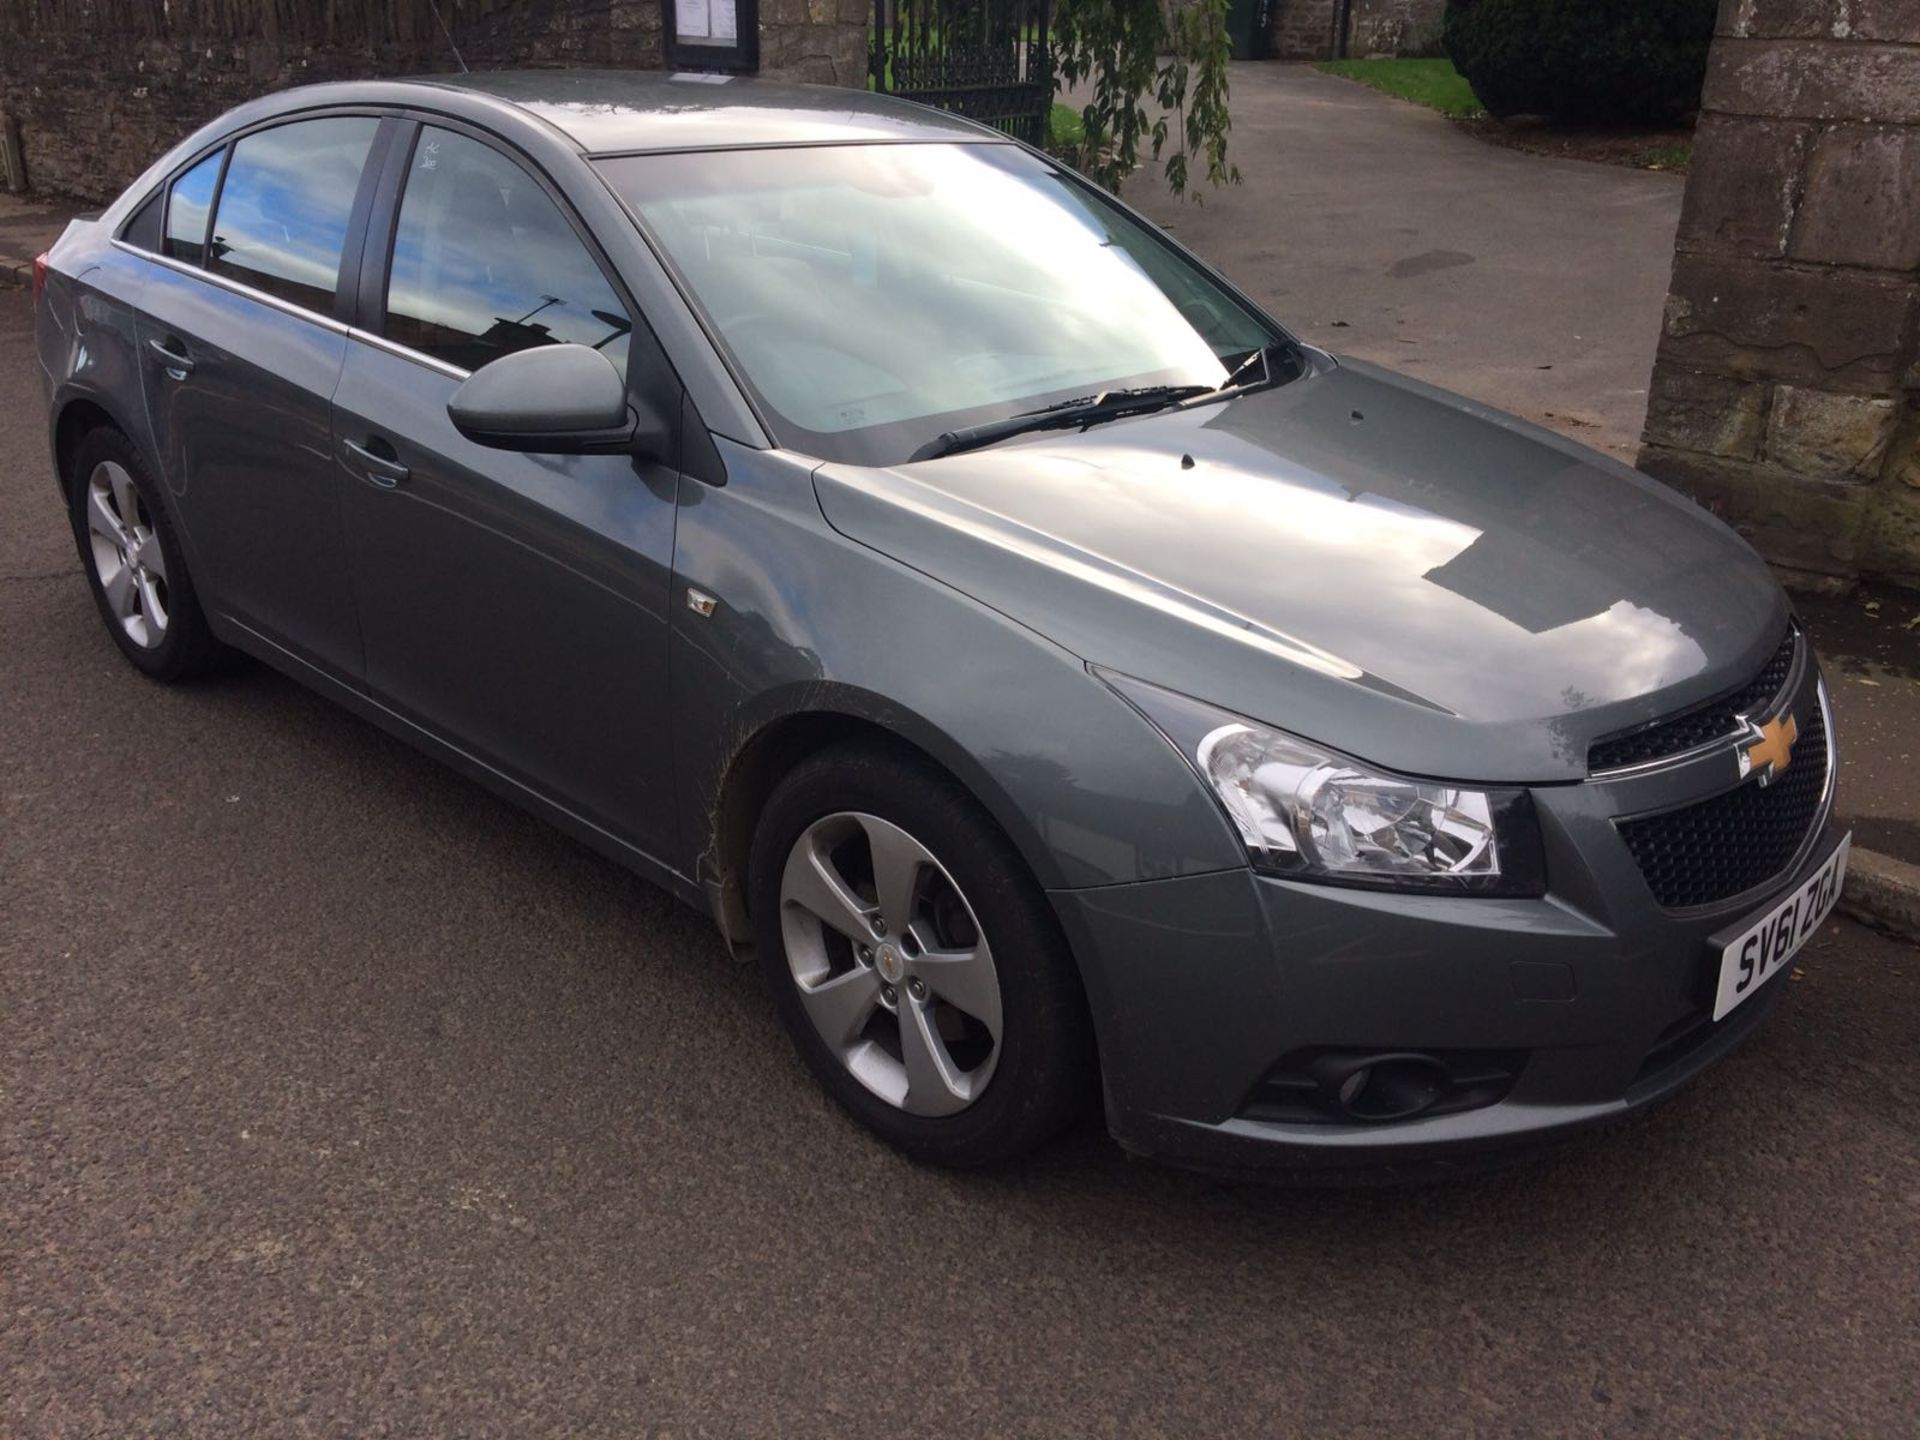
888 962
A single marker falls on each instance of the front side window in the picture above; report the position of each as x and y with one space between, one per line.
485 264
281 225
874 296
187 206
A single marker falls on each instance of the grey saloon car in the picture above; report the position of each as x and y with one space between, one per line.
1072 687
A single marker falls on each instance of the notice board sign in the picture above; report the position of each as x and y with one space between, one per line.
713 34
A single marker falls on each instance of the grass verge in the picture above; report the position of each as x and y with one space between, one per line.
1438 86
1677 156
1432 83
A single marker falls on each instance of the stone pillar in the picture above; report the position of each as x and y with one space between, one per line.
1786 393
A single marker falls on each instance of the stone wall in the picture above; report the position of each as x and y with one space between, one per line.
1301 29
1395 27
820 42
100 87
1785 393
1308 29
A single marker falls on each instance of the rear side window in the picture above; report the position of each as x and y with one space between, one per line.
485 264
187 205
281 226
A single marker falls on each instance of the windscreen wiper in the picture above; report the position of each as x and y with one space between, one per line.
1256 371
1086 410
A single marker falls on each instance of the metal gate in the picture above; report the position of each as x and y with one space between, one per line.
986 59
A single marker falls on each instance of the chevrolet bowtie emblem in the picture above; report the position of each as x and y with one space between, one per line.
1768 749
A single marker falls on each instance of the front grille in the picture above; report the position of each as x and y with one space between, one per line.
1701 724
1738 840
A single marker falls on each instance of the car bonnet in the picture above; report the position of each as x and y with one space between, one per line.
1354 557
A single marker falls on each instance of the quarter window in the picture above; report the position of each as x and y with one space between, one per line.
485 264
187 206
143 230
282 222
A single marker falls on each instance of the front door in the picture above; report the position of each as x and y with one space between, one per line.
239 377
513 605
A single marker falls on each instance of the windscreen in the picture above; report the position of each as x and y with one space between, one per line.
874 296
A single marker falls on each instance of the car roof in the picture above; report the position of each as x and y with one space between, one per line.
609 112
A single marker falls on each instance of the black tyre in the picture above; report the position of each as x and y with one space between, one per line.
134 563
914 960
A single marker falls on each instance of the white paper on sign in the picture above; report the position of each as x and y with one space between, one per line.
693 20
726 20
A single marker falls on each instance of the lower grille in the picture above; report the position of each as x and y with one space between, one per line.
1738 840
1317 1086
1678 1041
1697 1029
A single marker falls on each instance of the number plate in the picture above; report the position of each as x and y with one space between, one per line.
1761 951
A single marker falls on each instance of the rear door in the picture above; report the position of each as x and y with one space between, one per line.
511 604
242 340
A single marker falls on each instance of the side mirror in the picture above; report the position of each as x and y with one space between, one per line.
554 400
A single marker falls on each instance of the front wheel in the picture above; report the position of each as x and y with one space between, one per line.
914 961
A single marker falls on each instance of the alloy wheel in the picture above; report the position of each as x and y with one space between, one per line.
126 554
891 966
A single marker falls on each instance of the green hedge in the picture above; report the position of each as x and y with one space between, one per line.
1611 61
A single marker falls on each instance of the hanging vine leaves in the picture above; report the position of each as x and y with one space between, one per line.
1134 51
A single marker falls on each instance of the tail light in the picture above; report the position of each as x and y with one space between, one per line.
39 275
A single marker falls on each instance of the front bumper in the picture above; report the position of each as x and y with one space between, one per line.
1201 985
1204 982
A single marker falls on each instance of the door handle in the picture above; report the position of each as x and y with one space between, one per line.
178 366
382 470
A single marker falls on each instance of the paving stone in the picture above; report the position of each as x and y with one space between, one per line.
1828 436
1821 19
1815 80
1745 186
1862 199
1714 414
1825 328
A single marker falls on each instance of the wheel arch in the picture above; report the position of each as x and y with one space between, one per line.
77 414
777 742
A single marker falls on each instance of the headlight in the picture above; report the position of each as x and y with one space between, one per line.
1308 812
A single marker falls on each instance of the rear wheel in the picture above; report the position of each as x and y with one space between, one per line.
133 561
914 961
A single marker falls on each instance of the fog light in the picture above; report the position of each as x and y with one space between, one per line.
1393 1086
1359 1086
1396 1089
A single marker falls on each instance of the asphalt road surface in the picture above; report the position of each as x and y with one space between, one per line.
339 1098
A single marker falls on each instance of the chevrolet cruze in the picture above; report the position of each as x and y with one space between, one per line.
1065 681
